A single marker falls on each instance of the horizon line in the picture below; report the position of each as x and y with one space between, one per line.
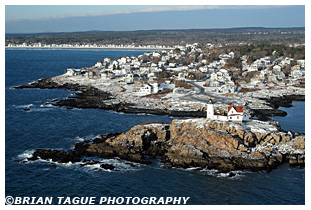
246 27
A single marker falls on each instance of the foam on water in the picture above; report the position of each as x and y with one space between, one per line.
23 106
120 165
26 154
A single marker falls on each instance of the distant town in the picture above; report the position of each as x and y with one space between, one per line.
90 46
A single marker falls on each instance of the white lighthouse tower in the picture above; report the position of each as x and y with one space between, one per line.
210 110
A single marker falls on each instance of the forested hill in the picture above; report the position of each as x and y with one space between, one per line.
166 37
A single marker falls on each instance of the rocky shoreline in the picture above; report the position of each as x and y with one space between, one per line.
93 98
257 145
188 143
284 101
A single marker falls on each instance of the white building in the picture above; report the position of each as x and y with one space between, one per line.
234 114
295 74
301 63
73 72
277 68
99 64
231 54
129 78
146 89
227 88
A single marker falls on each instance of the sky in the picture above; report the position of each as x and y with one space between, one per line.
70 18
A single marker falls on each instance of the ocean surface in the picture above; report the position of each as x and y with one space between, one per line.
45 126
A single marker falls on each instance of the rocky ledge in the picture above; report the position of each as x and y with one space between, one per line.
92 98
202 143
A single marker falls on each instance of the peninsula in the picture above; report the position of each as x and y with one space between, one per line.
235 133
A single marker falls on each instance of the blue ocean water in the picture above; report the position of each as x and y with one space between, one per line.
294 118
58 128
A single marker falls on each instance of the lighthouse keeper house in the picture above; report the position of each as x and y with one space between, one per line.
234 114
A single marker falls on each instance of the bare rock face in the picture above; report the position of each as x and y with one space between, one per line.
194 143
133 145
212 146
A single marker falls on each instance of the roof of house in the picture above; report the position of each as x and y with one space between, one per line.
237 108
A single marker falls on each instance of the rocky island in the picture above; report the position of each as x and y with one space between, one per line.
208 144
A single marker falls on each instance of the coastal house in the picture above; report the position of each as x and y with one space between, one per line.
277 68
286 61
182 76
172 65
234 113
106 75
301 63
146 89
296 73
129 78
98 64
227 88
253 67
73 72
213 76
93 74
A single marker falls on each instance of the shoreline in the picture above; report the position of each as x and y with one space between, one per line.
200 143
92 97
91 48
241 147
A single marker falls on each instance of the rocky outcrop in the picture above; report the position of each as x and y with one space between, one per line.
284 101
90 97
55 156
194 143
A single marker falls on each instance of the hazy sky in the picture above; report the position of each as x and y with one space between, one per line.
32 19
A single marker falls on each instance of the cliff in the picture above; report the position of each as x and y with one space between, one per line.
201 143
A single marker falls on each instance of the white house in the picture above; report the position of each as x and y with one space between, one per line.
107 60
234 114
213 76
129 78
253 67
301 63
277 68
286 61
227 88
106 75
98 64
172 65
231 54
147 89
70 72
73 72
296 74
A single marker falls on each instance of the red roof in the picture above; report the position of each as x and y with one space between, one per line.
237 108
